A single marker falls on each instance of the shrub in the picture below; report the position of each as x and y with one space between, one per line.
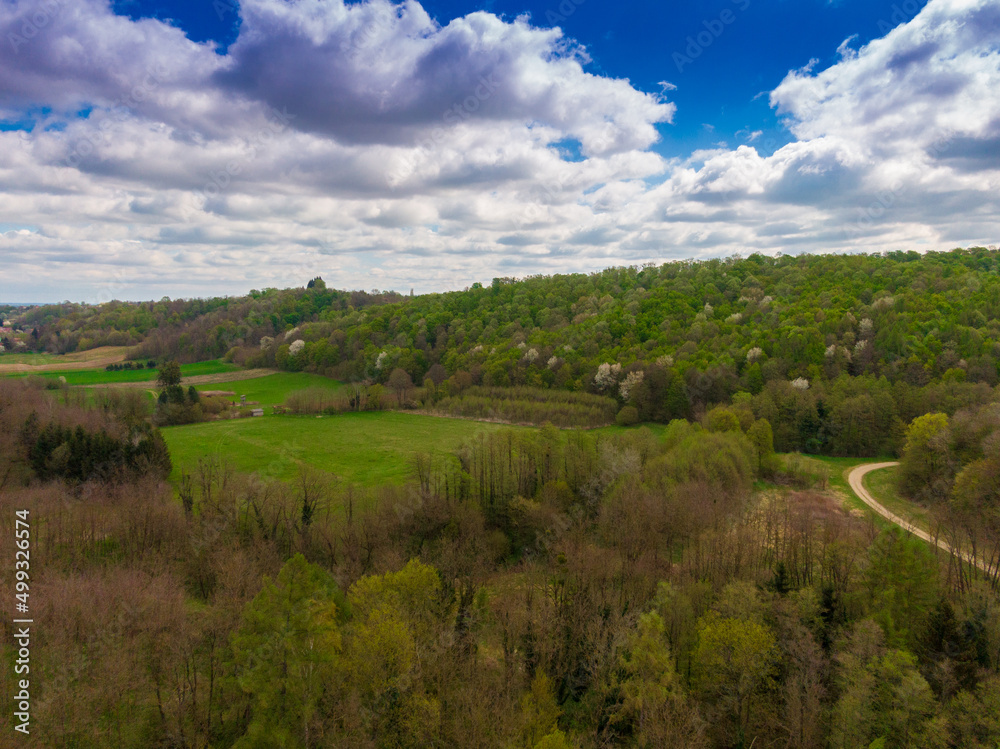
627 416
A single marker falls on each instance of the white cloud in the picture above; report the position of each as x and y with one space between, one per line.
327 140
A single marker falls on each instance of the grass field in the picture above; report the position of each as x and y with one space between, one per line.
102 376
361 448
11 363
273 389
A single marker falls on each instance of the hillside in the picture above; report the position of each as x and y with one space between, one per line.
837 352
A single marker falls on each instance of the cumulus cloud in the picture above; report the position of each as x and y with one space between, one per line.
371 144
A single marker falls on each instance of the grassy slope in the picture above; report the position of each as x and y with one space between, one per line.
101 376
274 389
365 448
11 362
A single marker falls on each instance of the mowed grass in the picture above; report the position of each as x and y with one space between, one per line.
102 376
364 449
272 390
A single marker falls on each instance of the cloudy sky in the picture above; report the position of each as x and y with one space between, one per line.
164 147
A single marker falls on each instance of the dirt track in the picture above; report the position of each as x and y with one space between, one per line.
856 480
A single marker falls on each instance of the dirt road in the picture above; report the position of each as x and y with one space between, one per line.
856 480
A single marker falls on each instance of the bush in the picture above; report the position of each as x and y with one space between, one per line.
627 416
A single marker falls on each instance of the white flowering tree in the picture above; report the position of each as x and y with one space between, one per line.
607 375
630 383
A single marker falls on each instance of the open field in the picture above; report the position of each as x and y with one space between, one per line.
364 448
209 381
91 377
268 388
361 448
39 363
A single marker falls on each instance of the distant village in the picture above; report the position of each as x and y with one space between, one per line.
13 336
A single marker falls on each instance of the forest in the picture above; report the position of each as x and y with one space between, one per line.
684 577
838 352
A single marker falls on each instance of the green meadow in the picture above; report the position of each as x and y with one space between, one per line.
366 448
102 376
272 390
34 360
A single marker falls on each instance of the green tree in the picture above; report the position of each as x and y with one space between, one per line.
169 375
902 586
734 664
883 697
926 469
762 438
652 698
285 648
395 632
539 710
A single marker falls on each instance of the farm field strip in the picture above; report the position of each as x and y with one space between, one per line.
132 377
198 379
41 363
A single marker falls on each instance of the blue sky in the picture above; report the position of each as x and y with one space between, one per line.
721 87
152 148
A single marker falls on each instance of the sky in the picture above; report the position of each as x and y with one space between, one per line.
155 148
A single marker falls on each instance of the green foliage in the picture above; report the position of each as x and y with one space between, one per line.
627 417
533 406
396 618
902 586
78 454
883 697
539 713
845 349
653 701
555 740
169 375
286 647
975 716
735 664
926 469
725 460
762 438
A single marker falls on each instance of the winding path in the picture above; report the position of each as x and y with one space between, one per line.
856 480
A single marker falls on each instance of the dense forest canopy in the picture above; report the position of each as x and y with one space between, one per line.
903 315
838 352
